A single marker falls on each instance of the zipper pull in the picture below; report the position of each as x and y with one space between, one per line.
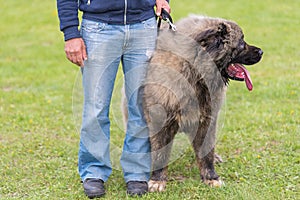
89 2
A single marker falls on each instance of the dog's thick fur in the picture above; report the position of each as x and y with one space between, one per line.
185 86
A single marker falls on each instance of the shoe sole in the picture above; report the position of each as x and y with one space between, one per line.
93 195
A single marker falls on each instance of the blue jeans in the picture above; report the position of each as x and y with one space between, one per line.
107 46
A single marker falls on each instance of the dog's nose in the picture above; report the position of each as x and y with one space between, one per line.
260 52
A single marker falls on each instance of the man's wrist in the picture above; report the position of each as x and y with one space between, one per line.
71 32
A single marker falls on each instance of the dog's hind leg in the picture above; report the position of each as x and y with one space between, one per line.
124 108
161 145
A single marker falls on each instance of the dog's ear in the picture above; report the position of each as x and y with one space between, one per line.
222 30
213 37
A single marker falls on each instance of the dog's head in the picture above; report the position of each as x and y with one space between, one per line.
224 41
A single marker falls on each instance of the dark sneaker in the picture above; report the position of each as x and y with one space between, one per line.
93 188
137 188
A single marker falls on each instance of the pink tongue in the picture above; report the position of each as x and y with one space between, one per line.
248 80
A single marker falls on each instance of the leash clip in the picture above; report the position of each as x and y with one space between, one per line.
172 26
167 17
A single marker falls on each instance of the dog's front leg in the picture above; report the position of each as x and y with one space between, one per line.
203 144
161 145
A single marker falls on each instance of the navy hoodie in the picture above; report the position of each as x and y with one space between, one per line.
107 11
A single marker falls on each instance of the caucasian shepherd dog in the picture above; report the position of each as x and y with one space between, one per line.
185 86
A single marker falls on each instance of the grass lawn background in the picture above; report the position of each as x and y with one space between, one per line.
40 103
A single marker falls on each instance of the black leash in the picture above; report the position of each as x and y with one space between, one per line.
166 17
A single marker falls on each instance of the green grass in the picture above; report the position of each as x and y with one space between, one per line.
39 100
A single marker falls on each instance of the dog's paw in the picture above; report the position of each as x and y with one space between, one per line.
214 183
157 186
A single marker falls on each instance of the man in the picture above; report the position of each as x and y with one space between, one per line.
111 32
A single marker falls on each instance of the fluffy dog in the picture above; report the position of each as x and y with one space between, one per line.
185 86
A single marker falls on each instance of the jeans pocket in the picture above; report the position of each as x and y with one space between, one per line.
89 26
150 23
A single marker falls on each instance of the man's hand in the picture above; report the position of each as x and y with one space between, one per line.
76 51
162 4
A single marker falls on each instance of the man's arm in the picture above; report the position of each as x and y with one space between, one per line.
68 16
